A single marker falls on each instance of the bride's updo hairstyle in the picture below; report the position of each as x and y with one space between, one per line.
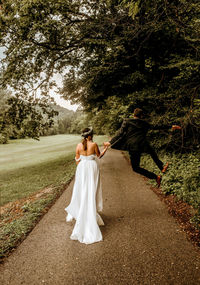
85 134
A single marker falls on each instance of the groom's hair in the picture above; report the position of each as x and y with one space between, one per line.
138 113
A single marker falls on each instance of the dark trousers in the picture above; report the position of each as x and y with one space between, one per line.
135 162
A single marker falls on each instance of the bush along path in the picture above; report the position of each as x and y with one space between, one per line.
180 190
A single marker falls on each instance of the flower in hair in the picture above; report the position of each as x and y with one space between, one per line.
88 133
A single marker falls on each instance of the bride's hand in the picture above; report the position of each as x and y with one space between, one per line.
103 152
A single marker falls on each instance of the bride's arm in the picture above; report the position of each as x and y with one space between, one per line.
77 157
97 151
103 152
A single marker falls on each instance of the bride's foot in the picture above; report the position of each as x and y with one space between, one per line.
69 218
99 220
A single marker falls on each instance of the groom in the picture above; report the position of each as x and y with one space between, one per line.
132 137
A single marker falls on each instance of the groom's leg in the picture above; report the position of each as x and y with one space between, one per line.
155 158
135 163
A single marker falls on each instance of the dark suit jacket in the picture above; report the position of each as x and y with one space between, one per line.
132 135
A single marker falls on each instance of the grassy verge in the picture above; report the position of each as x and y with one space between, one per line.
19 220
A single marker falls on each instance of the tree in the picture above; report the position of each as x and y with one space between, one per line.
21 118
41 38
142 53
62 122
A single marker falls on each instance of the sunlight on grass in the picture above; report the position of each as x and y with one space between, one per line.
27 152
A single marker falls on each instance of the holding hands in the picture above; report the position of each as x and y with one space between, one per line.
106 146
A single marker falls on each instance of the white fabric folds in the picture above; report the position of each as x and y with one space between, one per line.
86 201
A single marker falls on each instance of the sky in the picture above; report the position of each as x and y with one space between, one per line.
60 101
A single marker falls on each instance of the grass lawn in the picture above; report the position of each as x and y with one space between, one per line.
28 165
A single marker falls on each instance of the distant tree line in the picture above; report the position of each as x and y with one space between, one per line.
21 118
67 122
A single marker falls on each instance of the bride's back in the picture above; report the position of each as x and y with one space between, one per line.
91 148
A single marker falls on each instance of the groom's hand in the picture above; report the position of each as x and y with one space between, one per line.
106 144
176 127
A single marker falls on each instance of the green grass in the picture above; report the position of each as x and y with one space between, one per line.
15 231
28 152
22 182
28 165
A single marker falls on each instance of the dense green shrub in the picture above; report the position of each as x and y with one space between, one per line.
182 178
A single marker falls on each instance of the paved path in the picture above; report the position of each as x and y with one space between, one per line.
142 243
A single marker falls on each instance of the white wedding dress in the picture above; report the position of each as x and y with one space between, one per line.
86 201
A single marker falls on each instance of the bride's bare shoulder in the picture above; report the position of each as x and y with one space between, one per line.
79 146
94 144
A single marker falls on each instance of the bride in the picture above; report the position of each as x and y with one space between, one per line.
86 198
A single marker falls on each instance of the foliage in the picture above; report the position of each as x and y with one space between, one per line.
21 118
196 218
62 122
109 118
41 38
182 179
150 61
143 53
4 135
